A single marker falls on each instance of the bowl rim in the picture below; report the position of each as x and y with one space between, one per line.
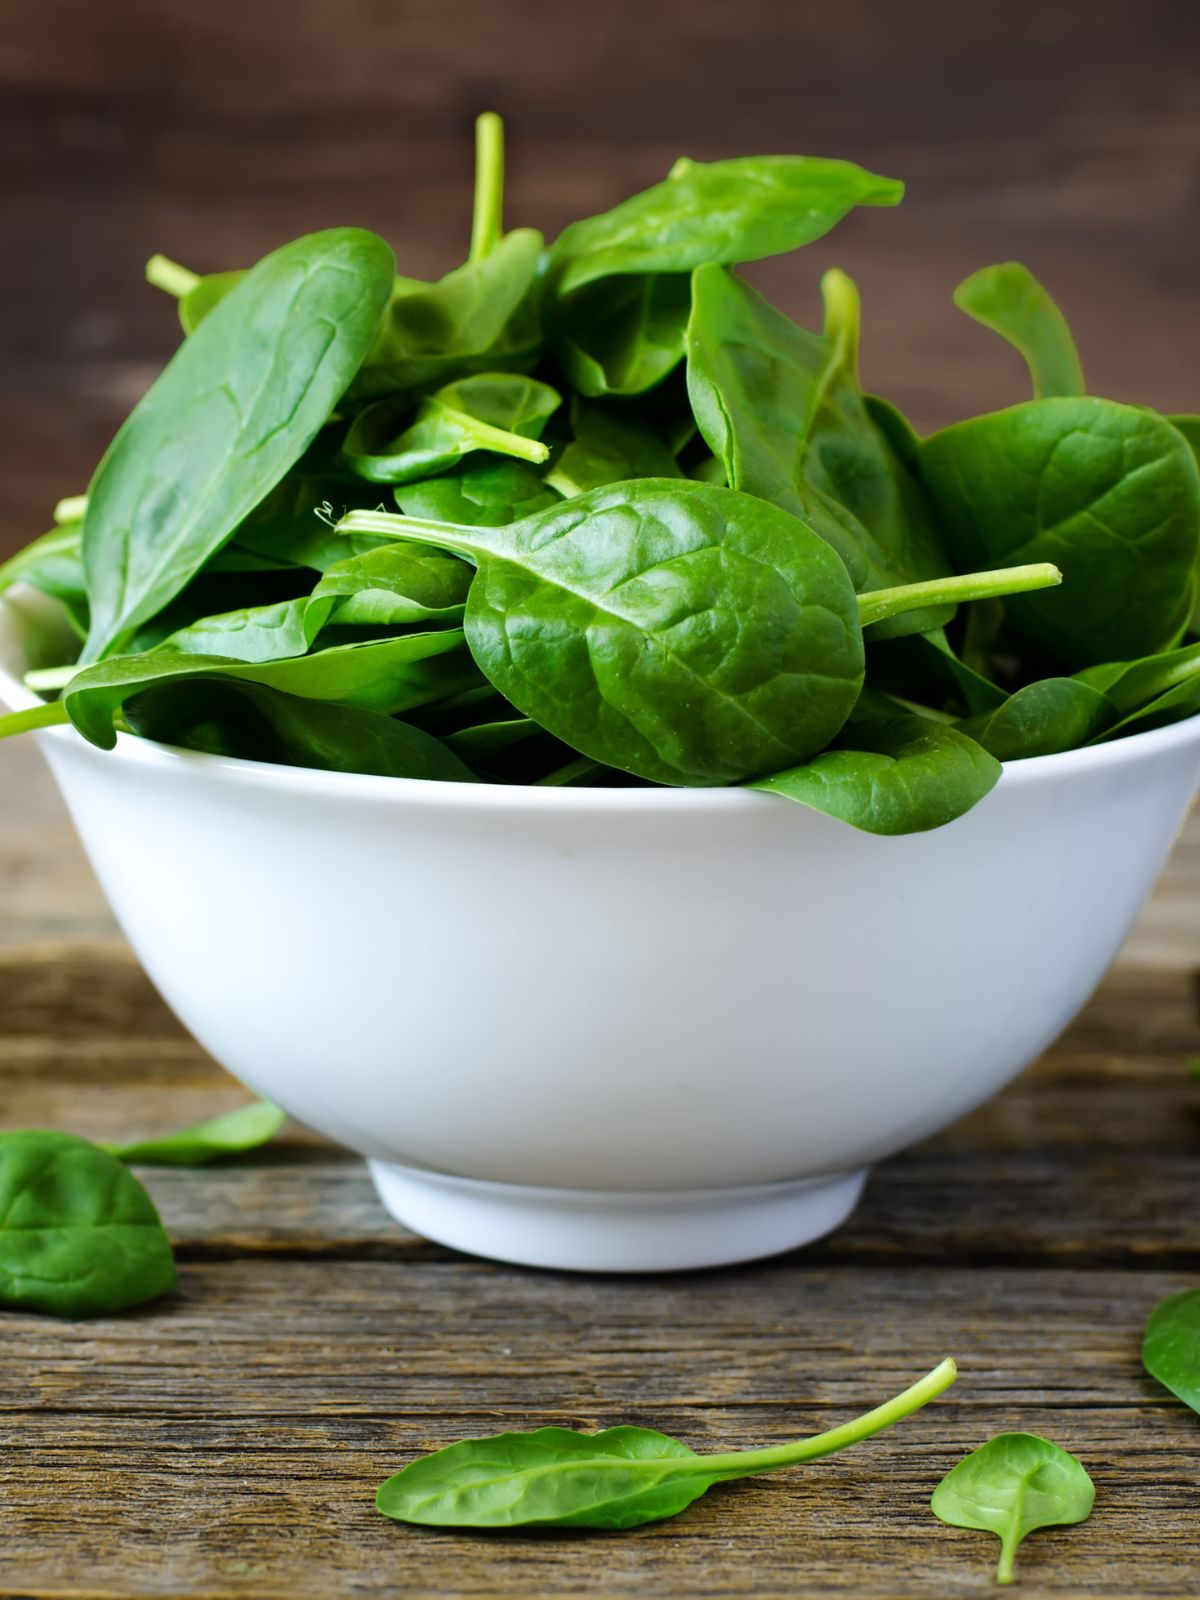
132 749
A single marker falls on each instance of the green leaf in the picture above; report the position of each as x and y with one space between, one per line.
1171 1347
235 407
685 633
480 317
395 585
495 411
79 1236
225 717
1043 719
387 675
254 633
53 564
900 775
721 211
622 336
1011 1486
1010 300
1109 493
608 446
619 1478
295 523
783 411
488 492
233 1133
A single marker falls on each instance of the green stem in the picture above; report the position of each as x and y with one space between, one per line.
882 603
166 274
740 1463
71 509
49 680
454 536
486 219
36 717
1009 1540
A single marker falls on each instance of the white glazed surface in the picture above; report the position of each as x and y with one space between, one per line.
616 990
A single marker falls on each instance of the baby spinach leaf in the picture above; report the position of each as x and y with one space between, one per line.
230 1134
481 317
224 717
397 584
236 405
1171 1347
294 524
1131 685
255 633
1110 493
1043 719
621 336
619 1478
488 492
1011 1486
783 411
900 775
723 211
494 411
681 632
608 446
53 564
1010 300
79 1236
387 675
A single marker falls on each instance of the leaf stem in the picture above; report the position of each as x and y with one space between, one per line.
882 603
740 1463
36 717
454 536
166 274
1009 1540
486 219
583 767
71 509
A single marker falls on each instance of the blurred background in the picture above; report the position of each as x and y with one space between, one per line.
1063 134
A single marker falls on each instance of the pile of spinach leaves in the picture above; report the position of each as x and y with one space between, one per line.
597 513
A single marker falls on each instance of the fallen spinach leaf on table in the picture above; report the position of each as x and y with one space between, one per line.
79 1235
232 1133
619 1478
1011 1486
1171 1346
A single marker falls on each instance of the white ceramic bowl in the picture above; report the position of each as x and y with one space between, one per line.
619 1030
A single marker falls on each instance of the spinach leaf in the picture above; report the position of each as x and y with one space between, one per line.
624 335
1131 685
481 317
255 633
608 446
489 492
898 775
387 675
225 717
1043 719
783 411
400 583
1171 1347
236 405
53 564
1010 300
1109 493
492 411
723 211
79 1236
294 524
681 632
231 1134
619 1478
1011 1486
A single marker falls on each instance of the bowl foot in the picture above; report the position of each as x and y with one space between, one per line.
593 1230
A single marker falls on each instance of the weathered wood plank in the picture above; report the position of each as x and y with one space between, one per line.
229 1441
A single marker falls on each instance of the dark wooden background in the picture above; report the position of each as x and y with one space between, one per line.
1066 134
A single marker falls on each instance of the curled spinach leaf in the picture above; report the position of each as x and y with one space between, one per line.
235 407
1042 719
232 1133
622 335
79 1236
722 211
608 446
893 775
1010 300
493 411
1011 1486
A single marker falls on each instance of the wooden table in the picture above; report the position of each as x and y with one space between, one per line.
227 1441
